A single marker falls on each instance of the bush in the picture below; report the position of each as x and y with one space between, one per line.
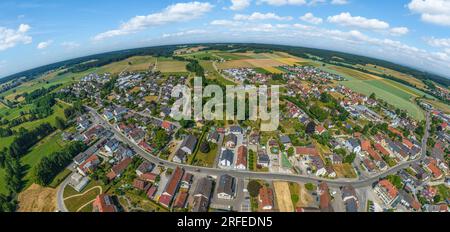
205 148
309 186
253 188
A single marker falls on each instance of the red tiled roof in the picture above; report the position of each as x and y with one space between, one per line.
395 131
242 156
407 143
435 170
389 187
119 168
174 181
381 149
365 145
325 197
265 197
165 125
103 203
306 151
151 191
180 201
374 154
149 176
165 200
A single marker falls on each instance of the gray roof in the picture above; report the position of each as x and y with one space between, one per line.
204 187
189 141
263 157
353 142
200 204
285 139
235 129
351 206
226 185
231 137
227 155
348 191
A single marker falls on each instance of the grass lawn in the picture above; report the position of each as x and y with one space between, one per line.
206 159
444 191
75 203
213 74
344 171
88 194
294 188
45 147
58 111
60 178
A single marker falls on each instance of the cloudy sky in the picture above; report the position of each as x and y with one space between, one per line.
410 32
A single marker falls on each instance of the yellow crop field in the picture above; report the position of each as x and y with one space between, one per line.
171 66
283 196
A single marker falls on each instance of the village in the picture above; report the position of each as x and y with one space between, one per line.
328 135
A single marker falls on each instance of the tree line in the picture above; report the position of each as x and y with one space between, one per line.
46 170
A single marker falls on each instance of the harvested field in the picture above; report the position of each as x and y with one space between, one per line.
283 196
171 66
344 171
37 199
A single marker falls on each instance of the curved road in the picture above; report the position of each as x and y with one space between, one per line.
268 176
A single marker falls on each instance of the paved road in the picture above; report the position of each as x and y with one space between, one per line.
60 199
269 176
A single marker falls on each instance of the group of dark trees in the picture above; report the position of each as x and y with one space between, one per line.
30 97
50 166
27 138
195 67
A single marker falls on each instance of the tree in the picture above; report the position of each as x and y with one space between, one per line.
372 96
311 128
309 186
60 123
253 188
290 151
205 148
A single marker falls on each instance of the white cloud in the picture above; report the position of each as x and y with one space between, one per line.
239 4
44 45
182 33
397 31
261 16
439 42
432 11
346 19
310 18
10 38
179 12
283 2
339 2
225 23
70 45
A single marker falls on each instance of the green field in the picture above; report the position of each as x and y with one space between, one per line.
213 74
45 81
58 111
44 148
171 66
396 94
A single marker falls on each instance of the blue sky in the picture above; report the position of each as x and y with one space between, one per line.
410 32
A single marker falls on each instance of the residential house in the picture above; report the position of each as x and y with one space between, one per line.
235 130
188 144
103 203
180 156
213 137
350 198
241 161
324 198
263 158
353 145
119 168
180 200
230 140
89 165
265 198
171 187
226 159
202 195
144 167
387 192
226 188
